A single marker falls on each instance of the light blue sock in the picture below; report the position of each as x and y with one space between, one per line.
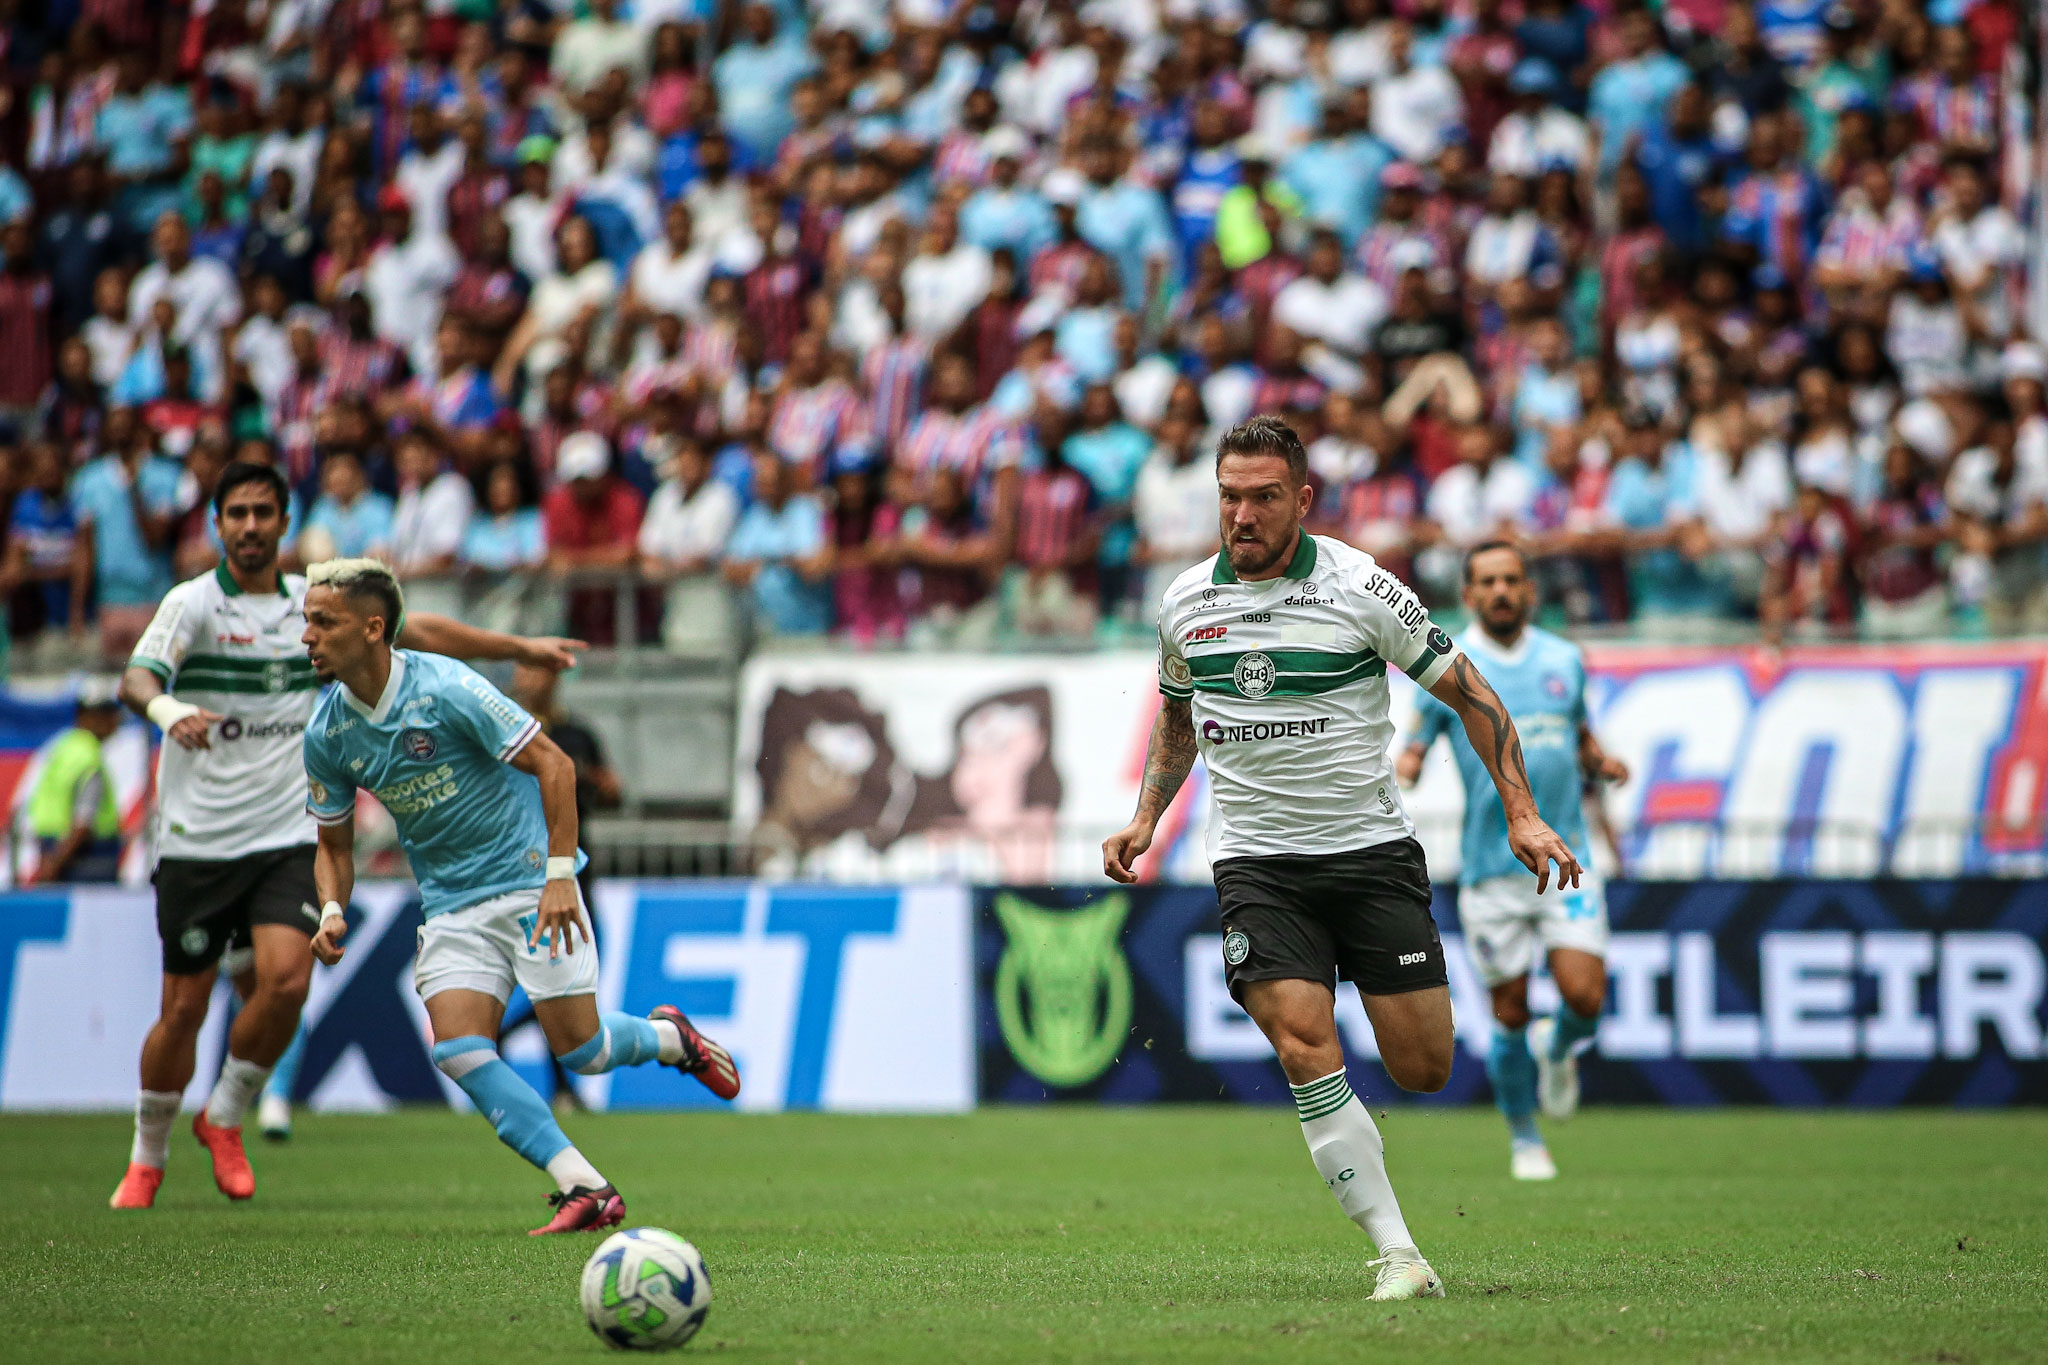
285 1074
1513 1073
1572 1029
620 1040
521 1117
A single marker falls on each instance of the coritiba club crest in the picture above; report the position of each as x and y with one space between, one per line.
1063 988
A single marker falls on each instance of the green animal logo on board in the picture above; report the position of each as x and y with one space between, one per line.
1063 988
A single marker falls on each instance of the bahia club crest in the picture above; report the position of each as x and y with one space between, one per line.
1063 988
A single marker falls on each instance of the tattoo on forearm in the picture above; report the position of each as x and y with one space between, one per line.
1501 747
1168 757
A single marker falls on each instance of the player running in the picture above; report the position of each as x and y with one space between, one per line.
486 810
234 843
1542 679
1272 664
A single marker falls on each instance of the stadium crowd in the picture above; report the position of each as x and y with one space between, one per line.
916 319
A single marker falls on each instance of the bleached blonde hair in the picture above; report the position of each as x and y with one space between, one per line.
363 578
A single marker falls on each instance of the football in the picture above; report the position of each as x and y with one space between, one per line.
645 1290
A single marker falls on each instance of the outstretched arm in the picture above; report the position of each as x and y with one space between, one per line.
1492 732
1168 758
443 635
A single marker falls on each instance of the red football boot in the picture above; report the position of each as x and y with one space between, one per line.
702 1058
137 1189
582 1210
230 1163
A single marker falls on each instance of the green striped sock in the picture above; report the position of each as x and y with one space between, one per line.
1321 1098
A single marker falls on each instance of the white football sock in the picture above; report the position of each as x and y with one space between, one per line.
239 1081
570 1169
671 1041
1349 1155
155 1110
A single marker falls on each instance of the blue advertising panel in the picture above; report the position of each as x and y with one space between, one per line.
1777 993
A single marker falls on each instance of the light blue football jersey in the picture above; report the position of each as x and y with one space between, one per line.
1543 684
435 750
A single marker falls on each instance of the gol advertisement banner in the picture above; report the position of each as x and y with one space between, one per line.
1825 761
1772 993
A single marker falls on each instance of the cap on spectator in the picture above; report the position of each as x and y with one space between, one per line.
1005 141
1925 427
1400 175
1922 263
583 455
1252 147
1411 255
99 693
1039 316
852 457
1532 76
539 147
1063 185
2024 360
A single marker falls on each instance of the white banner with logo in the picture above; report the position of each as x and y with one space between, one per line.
843 998
1837 761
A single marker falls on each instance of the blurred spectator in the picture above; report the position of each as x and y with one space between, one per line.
682 542
349 518
779 554
1174 502
431 517
593 526
507 532
124 502
47 570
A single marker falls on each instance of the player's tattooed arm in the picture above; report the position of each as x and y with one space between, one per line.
1492 732
1168 758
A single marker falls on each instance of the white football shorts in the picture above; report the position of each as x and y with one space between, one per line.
1506 923
483 948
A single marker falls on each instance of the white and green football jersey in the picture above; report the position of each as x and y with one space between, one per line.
1287 680
238 655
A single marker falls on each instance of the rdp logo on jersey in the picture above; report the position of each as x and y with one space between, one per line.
1205 633
1063 988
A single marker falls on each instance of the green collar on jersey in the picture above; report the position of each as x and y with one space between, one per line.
228 584
1301 566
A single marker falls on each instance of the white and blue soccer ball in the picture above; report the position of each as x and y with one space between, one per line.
645 1290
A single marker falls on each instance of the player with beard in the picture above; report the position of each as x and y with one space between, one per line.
1273 666
222 672
1542 678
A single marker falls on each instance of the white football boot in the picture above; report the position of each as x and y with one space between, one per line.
274 1117
1403 1274
1531 1161
1557 1083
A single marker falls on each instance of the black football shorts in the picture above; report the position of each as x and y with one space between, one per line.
204 906
1361 916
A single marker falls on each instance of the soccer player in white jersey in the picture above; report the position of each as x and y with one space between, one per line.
1541 678
1272 665
486 811
222 671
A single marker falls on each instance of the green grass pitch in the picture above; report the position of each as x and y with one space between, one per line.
1056 1234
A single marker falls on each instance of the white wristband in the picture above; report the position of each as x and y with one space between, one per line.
332 910
561 869
166 710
